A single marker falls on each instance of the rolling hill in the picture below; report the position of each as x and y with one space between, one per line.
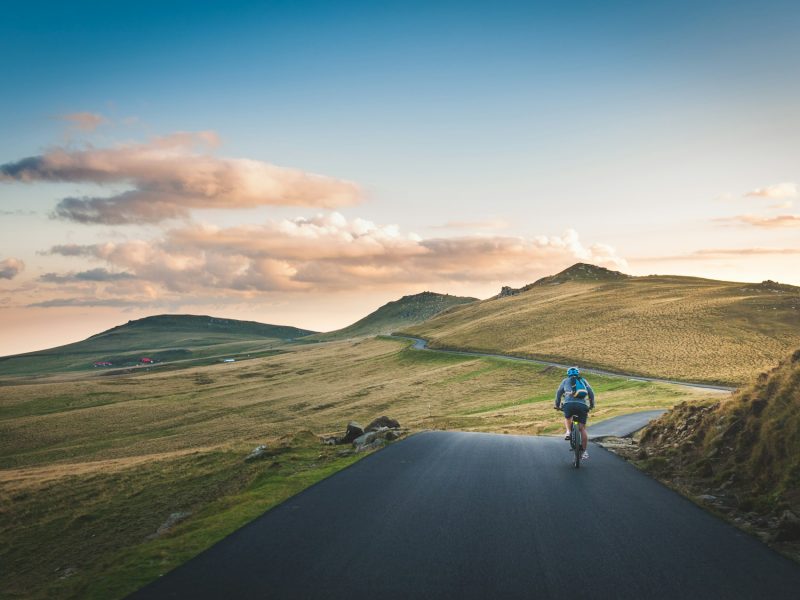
408 310
674 327
160 338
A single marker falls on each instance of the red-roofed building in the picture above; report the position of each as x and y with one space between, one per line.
146 361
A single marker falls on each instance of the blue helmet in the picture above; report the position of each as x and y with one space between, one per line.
573 372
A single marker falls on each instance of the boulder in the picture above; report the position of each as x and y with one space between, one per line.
171 521
258 452
353 431
788 528
382 422
366 438
373 445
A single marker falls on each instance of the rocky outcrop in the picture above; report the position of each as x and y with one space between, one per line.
258 452
378 432
382 422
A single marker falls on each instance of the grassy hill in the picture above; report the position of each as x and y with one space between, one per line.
90 467
742 454
162 338
408 310
675 327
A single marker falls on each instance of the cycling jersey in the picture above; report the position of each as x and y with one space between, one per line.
565 391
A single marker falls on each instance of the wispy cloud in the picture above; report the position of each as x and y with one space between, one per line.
90 275
10 268
778 191
782 205
84 121
721 254
777 222
17 213
328 253
170 176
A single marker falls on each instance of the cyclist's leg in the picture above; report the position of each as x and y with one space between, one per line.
582 417
567 418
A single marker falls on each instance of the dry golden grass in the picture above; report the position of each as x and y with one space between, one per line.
670 327
98 463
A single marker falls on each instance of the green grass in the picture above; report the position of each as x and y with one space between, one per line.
395 315
102 523
89 467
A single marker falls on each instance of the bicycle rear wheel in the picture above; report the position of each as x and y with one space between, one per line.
577 444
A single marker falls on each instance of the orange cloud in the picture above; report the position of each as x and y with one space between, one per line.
85 121
779 191
780 221
172 175
324 253
721 254
10 268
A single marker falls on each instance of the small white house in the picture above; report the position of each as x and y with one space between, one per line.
228 360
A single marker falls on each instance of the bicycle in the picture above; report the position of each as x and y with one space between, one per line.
576 443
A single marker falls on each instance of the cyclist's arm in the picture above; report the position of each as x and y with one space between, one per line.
559 394
591 396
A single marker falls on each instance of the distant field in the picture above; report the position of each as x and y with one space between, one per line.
671 327
179 339
89 468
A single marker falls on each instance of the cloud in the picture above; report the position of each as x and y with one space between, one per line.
17 213
84 121
90 275
782 205
721 254
778 222
81 302
10 268
171 176
779 191
327 253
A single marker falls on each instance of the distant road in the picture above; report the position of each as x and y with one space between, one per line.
420 344
623 425
472 515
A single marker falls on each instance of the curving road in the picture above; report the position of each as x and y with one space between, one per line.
421 344
471 515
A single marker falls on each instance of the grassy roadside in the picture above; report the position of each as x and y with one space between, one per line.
95 536
89 468
738 457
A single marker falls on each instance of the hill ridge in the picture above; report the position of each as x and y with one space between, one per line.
408 310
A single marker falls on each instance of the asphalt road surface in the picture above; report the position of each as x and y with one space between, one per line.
622 426
472 515
420 344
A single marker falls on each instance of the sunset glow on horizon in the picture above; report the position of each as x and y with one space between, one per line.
303 164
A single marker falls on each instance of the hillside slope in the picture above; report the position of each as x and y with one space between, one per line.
741 454
406 311
160 337
673 327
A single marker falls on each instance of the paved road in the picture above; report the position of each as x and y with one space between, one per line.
471 515
420 344
623 425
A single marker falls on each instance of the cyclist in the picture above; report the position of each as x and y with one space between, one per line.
574 406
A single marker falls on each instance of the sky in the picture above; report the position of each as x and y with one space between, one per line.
303 163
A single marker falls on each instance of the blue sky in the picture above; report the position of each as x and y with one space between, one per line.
647 127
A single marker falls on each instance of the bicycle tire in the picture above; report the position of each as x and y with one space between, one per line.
578 445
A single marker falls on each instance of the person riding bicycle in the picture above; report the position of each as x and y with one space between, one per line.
576 391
